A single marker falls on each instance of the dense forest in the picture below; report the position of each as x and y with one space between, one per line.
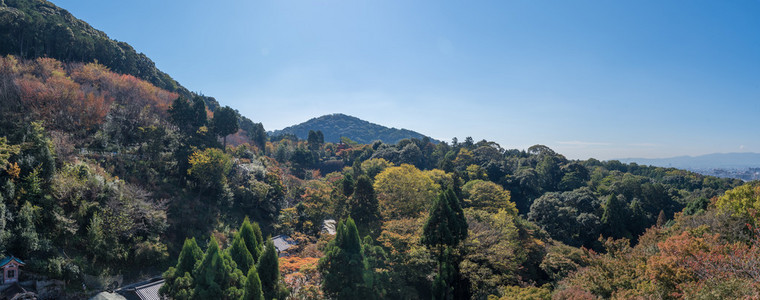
108 177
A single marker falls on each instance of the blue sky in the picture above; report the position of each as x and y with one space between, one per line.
603 79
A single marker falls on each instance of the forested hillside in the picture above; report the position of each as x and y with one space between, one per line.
37 28
337 126
106 179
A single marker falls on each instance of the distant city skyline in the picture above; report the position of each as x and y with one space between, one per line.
602 79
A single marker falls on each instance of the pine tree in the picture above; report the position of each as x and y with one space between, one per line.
251 238
239 253
225 122
343 265
364 207
216 276
269 271
178 279
253 286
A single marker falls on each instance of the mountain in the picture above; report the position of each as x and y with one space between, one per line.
338 125
708 161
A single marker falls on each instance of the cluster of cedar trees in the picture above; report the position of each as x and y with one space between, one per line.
220 274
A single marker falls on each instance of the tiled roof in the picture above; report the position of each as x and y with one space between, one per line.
283 242
8 259
146 290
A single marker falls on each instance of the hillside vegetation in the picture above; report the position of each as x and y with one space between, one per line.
337 126
106 177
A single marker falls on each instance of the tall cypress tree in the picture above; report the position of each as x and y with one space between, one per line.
446 225
216 276
343 265
253 286
269 271
444 229
251 239
365 208
239 253
178 279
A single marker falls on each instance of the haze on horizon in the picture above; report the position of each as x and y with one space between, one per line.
586 78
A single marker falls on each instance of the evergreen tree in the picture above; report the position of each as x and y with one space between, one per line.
614 217
253 286
250 234
178 282
225 122
258 235
446 224
348 184
364 207
269 272
216 276
239 253
344 265
444 229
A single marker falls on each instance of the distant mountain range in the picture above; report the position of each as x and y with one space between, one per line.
708 161
338 125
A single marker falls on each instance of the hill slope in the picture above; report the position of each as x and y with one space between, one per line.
338 125
31 29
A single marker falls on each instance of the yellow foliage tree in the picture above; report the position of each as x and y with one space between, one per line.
743 200
488 196
404 191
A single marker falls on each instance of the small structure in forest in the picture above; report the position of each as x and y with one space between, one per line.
10 269
282 243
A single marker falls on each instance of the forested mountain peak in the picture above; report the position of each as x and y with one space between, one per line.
337 125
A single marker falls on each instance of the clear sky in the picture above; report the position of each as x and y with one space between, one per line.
603 79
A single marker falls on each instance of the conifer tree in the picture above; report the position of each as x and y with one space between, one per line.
248 232
365 208
225 122
444 229
614 217
239 253
178 279
446 224
259 236
216 276
269 272
253 286
343 265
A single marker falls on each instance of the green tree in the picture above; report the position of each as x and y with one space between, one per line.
240 254
488 196
364 207
404 191
209 169
27 238
614 217
343 266
269 272
216 276
178 282
225 122
314 141
446 225
251 236
253 286
444 229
